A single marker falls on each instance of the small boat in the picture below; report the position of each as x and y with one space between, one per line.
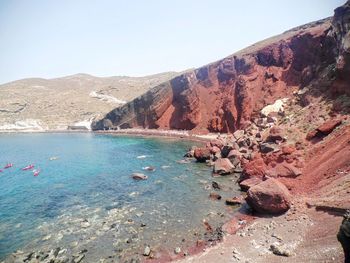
53 158
28 167
36 172
8 165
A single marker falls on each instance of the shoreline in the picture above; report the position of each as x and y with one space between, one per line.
183 134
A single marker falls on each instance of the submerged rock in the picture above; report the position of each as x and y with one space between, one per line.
149 168
215 185
215 196
139 176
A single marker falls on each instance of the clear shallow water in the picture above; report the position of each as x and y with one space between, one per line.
87 200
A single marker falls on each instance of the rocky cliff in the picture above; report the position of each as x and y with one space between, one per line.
226 95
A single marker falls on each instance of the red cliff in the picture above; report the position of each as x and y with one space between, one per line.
226 95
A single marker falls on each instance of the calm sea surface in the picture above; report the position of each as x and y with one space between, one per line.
85 199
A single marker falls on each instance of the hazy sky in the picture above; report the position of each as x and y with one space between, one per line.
46 38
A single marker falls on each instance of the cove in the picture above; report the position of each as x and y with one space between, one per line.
85 200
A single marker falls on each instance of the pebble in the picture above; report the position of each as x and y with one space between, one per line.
85 224
147 251
177 250
79 258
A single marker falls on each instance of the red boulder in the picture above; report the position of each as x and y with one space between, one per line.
255 168
202 154
270 196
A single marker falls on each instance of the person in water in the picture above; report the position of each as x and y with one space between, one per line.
344 236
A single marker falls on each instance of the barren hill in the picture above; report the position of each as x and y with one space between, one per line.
35 103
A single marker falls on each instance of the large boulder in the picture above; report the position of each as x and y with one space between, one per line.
327 127
324 129
202 154
223 166
270 196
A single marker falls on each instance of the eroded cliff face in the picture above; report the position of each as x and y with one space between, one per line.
224 96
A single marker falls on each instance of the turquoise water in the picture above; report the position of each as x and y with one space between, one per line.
86 198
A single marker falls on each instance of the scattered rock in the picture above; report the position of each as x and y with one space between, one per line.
177 250
149 168
237 200
214 196
238 134
280 250
223 166
250 182
287 170
267 147
79 258
275 135
327 127
277 107
202 154
288 149
323 130
255 168
139 176
85 224
147 251
270 196
215 185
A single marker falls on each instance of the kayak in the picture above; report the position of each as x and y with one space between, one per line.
31 166
8 165
36 172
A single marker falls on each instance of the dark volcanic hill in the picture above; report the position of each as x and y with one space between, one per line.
225 95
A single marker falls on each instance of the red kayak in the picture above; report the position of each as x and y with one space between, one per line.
36 172
8 165
29 167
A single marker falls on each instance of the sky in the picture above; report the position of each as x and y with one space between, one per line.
48 39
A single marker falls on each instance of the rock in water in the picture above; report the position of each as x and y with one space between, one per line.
223 166
269 196
202 154
215 185
139 176
237 200
214 196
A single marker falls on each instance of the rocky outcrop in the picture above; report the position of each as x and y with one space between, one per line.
341 32
225 95
269 196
